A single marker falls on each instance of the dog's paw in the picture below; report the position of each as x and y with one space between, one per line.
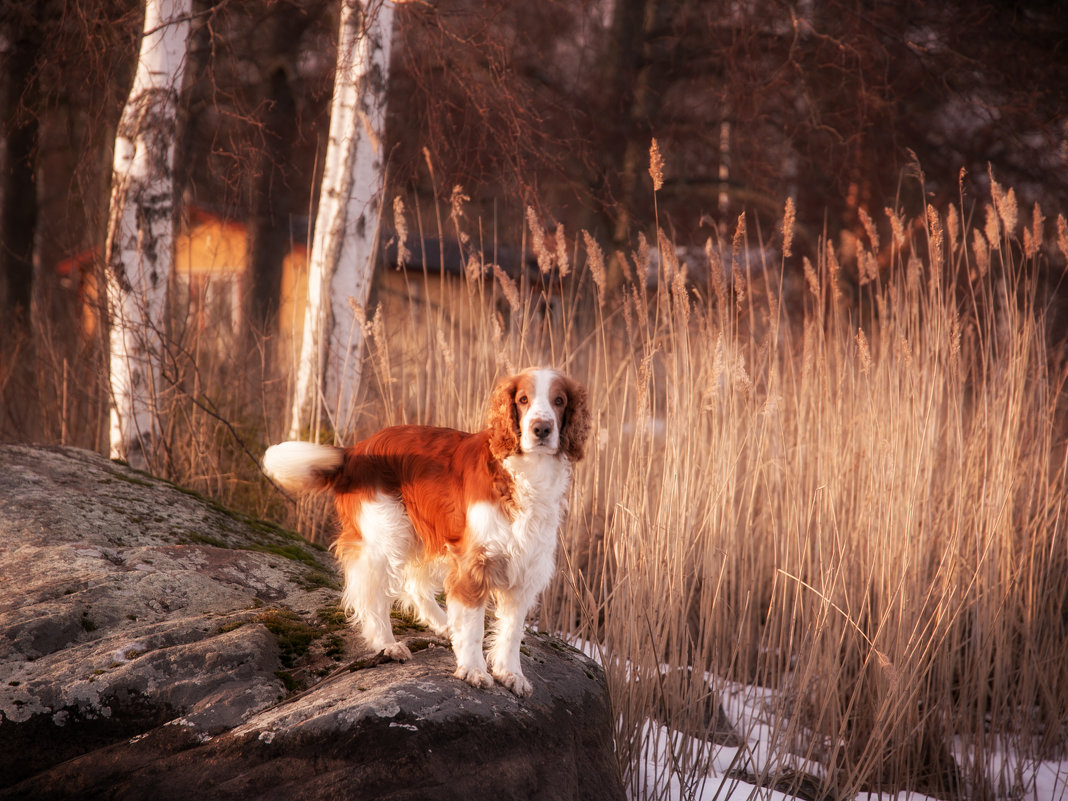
516 682
476 677
397 651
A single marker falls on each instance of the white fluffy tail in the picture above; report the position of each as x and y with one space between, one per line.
301 466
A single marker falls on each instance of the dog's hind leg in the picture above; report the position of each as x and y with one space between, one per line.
368 602
374 574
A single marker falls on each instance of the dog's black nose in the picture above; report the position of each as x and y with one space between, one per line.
542 428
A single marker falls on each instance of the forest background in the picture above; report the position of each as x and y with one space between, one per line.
825 320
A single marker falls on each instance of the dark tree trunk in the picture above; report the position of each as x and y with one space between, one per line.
18 217
635 84
272 207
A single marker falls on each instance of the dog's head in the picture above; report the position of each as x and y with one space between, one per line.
539 411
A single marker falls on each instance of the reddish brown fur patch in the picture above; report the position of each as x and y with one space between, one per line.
436 472
574 420
473 576
349 540
503 419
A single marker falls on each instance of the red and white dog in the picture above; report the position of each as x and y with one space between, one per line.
423 508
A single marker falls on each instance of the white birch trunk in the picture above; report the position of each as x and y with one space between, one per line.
141 229
346 224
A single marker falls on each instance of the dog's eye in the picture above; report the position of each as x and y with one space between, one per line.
560 400
521 400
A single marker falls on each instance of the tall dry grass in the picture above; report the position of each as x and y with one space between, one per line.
842 482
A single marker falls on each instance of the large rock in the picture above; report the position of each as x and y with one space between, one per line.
155 645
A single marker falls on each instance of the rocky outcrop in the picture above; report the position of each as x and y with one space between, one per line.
155 645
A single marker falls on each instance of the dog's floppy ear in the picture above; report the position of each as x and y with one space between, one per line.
576 425
503 420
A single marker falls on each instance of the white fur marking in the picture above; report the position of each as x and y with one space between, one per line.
528 543
297 466
541 411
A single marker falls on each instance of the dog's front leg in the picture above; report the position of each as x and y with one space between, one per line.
512 611
467 625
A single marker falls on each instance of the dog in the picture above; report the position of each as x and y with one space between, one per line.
423 508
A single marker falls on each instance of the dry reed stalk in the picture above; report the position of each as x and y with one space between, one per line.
953 230
788 218
537 242
656 166
400 225
563 262
596 264
992 231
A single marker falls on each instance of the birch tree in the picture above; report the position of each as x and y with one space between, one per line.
346 224
141 229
